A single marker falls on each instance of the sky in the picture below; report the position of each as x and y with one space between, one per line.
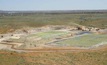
53 4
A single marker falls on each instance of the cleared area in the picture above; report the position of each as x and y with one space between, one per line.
54 37
49 34
85 40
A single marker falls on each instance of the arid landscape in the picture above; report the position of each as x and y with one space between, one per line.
53 38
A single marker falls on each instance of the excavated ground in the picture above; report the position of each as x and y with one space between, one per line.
51 39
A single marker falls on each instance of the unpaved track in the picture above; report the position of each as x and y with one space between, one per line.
63 49
13 47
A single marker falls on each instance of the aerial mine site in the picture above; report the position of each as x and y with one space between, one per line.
53 37
53 32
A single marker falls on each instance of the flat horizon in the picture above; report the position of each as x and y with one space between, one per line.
59 10
45 5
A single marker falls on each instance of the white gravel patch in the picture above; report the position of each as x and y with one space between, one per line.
2 46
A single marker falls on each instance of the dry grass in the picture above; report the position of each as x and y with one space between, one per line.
90 57
37 20
96 57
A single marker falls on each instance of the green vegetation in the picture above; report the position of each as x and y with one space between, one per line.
35 20
32 40
98 57
50 34
85 40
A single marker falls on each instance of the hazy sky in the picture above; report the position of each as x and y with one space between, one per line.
52 4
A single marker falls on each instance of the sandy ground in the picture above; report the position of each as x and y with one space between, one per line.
13 46
2 46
